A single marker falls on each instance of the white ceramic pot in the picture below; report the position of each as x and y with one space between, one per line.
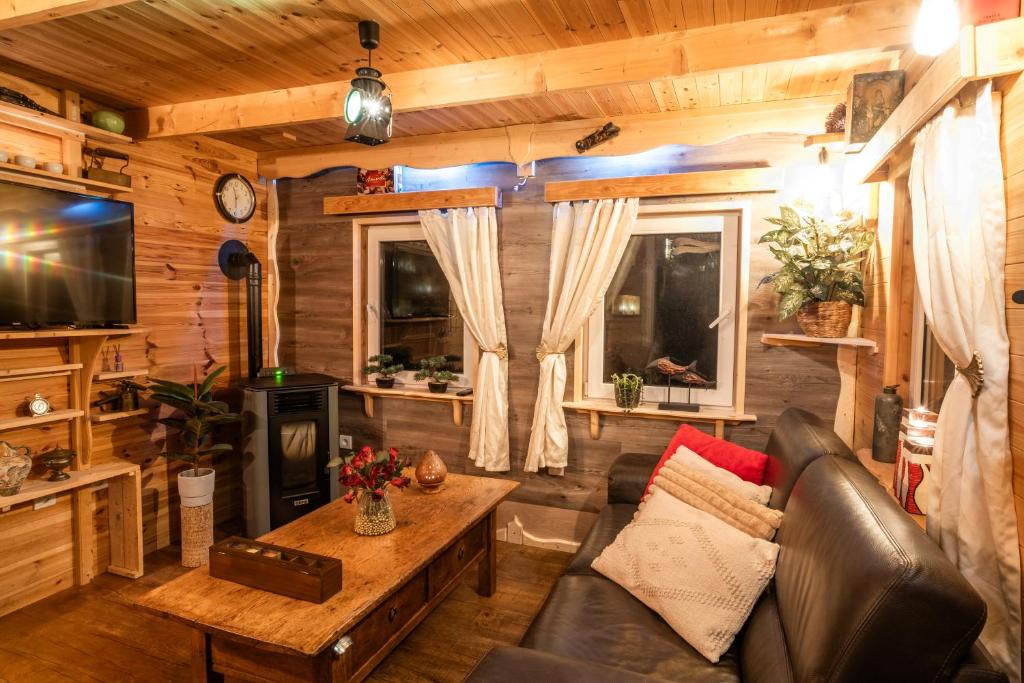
53 167
4 157
25 161
196 491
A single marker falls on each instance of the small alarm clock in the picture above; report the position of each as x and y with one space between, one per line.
38 406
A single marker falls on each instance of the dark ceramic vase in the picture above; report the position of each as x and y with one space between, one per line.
437 387
385 382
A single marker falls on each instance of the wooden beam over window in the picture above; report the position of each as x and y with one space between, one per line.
667 185
872 25
18 13
532 142
412 201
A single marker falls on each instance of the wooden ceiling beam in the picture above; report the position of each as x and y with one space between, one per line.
20 13
532 142
871 25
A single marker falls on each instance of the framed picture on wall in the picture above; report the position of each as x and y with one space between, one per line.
872 97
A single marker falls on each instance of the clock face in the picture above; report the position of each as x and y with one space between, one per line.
236 200
39 405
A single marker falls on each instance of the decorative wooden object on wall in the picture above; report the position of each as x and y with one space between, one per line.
412 201
983 52
668 185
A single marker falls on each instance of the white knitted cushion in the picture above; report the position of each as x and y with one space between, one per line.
700 574
751 491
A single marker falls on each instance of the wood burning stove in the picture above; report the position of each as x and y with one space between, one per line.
291 425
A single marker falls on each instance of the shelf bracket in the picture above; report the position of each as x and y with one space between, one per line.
457 413
368 405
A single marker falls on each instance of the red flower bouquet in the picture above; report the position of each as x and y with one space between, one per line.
372 472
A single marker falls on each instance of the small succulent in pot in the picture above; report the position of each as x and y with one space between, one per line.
433 370
628 390
820 277
383 366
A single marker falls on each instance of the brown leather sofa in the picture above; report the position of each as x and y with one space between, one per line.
860 593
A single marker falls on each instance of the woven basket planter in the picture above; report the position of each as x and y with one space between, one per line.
825 318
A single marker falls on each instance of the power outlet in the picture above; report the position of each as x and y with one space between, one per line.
344 442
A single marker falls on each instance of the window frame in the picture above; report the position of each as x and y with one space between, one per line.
367 235
653 219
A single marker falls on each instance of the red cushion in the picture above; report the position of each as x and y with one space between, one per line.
743 462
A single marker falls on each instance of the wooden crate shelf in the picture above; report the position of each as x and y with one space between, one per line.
596 407
93 185
370 392
124 374
55 416
118 415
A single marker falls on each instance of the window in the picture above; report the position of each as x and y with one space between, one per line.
674 295
410 313
931 371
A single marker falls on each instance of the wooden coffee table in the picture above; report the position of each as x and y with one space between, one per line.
389 585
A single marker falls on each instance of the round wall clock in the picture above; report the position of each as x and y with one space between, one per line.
38 406
235 198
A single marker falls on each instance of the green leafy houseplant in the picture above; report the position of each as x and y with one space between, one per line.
432 370
628 390
197 419
820 259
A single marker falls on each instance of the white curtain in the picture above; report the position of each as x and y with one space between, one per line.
587 243
959 214
465 243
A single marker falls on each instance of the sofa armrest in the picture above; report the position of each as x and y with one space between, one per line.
628 477
518 664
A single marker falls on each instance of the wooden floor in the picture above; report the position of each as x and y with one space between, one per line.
95 634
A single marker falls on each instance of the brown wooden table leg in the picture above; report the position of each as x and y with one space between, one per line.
487 579
202 662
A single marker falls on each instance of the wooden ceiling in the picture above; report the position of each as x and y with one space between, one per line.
153 52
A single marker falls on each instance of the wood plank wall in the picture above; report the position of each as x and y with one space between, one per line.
1012 138
195 316
315 310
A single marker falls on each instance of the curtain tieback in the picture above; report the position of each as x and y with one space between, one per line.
543 352
501 351
974 373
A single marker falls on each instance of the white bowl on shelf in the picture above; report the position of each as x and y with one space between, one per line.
25 161
53 167
4 157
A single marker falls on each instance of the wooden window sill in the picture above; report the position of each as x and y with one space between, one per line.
597 407
370 392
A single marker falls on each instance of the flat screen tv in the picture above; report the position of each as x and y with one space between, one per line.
65 258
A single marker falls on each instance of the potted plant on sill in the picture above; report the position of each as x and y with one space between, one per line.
197 418
432 370
382 366
628 390
820 278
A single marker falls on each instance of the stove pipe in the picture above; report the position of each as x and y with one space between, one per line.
236 262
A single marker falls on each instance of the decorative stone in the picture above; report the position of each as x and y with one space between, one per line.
15 464
431 472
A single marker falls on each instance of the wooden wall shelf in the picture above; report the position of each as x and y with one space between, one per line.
667 185
55 416
124 374
43 371
805 340
118 415
596 407
72 332
412 201
92 185
370 392
58 125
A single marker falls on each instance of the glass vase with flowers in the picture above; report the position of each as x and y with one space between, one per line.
368 475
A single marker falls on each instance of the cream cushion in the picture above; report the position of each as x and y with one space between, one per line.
700 574
684 456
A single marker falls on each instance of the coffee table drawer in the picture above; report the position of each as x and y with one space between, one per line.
373 632
453 560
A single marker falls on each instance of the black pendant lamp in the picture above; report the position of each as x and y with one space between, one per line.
368 103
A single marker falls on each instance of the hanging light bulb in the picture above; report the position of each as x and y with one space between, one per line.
937 27
368 104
